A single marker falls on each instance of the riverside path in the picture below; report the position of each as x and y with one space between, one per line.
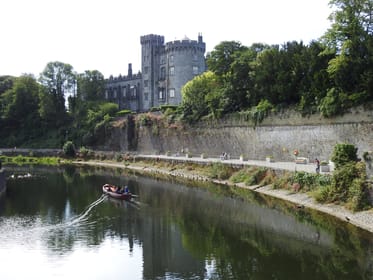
291 166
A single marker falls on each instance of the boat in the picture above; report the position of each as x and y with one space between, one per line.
116 192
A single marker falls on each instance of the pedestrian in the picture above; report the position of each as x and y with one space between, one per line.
317 162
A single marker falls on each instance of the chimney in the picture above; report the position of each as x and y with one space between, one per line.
129 69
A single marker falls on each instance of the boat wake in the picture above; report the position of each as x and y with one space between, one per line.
28 229
83 217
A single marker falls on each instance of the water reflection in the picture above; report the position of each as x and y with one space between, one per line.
57 223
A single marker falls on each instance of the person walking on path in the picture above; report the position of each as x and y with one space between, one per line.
317 165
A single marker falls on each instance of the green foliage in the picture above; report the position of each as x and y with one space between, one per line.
84 152
169 108
118 157
69 149
343 153
310 181
123 113
349 185
29 160
91 86
253 176
259 112
145 120
197 97
59 79
367 156
334 103
220 171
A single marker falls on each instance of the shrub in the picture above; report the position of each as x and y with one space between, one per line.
344 153
123 113
69 149
84 152
220 171
349 185
118 157
307 181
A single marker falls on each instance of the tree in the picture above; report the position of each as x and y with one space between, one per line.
220 59
21 103
59 80
91 85
6 82
350 36
344 153
199 97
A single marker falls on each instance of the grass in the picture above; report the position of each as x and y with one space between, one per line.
23 160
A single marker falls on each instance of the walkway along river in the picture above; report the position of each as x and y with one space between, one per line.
362 219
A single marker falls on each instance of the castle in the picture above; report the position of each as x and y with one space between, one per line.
165 69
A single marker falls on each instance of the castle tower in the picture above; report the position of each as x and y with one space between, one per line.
185 60
151 48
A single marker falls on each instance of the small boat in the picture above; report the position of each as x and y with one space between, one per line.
116 192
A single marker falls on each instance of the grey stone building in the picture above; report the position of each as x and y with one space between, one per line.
165 69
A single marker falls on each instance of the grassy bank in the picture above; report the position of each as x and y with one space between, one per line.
23 160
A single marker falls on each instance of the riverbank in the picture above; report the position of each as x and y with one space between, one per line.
361 219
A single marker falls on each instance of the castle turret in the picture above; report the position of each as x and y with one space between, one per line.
151 48
185 60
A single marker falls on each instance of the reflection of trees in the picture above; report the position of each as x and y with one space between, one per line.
245 248
180 227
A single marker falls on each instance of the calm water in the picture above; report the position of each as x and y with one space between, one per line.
56 224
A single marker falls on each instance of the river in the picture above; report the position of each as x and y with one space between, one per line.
55 223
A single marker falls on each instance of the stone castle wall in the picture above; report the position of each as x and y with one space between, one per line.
278 136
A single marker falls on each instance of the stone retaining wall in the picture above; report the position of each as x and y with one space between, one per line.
2 181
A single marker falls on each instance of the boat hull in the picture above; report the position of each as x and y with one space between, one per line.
109 190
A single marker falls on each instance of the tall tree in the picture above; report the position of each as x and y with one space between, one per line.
21 103
59 80
350 36
91 85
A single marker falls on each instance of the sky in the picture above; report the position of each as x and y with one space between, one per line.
104 35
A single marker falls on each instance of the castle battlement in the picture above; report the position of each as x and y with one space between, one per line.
185 44
121 78
152 39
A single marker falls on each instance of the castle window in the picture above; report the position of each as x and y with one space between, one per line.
124 92
146 70
195 57
195 70
146 94
163 73
172 71
115 93
163 61
171 58
161 94
133 91
171 92
146 83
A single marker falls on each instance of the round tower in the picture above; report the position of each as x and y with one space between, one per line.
185 60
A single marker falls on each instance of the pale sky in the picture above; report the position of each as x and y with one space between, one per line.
104 35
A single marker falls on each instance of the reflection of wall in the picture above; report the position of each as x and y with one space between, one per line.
168 255
2 181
